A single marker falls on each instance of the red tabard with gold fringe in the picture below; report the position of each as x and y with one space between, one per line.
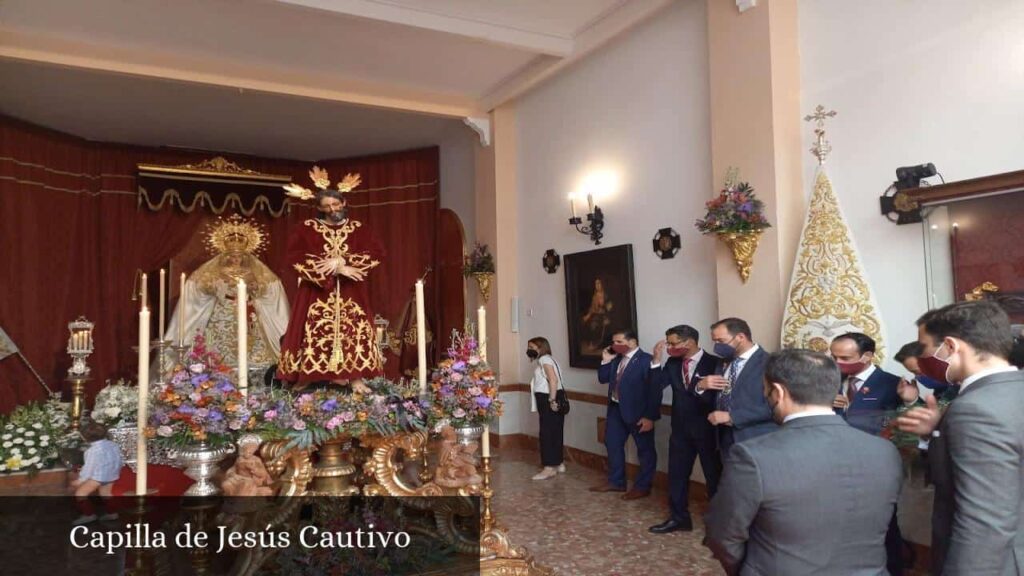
331 334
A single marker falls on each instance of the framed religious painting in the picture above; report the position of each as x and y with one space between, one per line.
600 298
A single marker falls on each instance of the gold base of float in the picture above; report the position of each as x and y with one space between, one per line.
383 460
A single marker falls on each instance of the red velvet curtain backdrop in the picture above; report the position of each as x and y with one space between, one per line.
72 236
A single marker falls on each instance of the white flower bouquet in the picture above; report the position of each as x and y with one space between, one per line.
28 438
117 404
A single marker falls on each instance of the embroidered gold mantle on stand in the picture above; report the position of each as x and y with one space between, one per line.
829 293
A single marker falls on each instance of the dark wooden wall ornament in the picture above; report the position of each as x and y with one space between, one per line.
666 243
551 261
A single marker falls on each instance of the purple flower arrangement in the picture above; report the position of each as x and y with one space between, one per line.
735 209
310 418
465 389
479 261
199 403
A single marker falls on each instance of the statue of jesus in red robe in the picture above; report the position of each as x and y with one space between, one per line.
331 334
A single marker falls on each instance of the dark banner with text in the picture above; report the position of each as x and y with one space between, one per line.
308 535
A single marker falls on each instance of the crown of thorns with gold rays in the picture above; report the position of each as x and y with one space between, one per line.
235 234
321 181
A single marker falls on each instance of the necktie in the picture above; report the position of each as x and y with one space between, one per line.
851 389
618 377
724 401
686 372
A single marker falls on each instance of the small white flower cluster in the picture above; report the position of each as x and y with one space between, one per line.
116 404
26 447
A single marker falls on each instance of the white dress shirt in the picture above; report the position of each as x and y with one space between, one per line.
812 411
745 356
978 376
861 377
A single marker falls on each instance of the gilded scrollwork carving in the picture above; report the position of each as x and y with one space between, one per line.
829 294
292 467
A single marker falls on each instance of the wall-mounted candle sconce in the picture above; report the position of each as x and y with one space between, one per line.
595 219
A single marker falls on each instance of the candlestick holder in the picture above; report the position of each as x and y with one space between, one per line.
142 565
180 352
77 399
487 519
498 555
595 228
164 365
426 473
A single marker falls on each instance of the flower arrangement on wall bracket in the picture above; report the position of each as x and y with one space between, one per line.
312 418
464 387
199 403
479 265
737 217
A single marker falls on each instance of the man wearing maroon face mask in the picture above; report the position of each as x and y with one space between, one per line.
868 392
975 453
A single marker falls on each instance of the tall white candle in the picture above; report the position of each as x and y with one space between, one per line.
421 337
481 323
163 298
572 206
243 338
145 294
143 412
181 311
486 449
590 202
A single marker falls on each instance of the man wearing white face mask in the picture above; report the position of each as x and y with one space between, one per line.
975 455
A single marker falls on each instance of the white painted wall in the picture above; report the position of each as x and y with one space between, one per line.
457 178
913 81
638 107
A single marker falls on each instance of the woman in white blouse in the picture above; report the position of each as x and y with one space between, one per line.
546 384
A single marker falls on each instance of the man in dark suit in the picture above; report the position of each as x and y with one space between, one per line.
866 395
867 392
692 435
741 411
633 406
796 501
975 455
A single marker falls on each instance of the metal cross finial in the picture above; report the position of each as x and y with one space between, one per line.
821 148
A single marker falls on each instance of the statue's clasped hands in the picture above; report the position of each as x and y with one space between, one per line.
338 266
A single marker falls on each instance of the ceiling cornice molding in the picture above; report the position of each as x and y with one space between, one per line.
482 126
527 40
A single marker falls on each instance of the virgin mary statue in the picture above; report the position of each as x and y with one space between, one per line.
209 304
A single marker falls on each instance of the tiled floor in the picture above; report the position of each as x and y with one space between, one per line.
577 532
